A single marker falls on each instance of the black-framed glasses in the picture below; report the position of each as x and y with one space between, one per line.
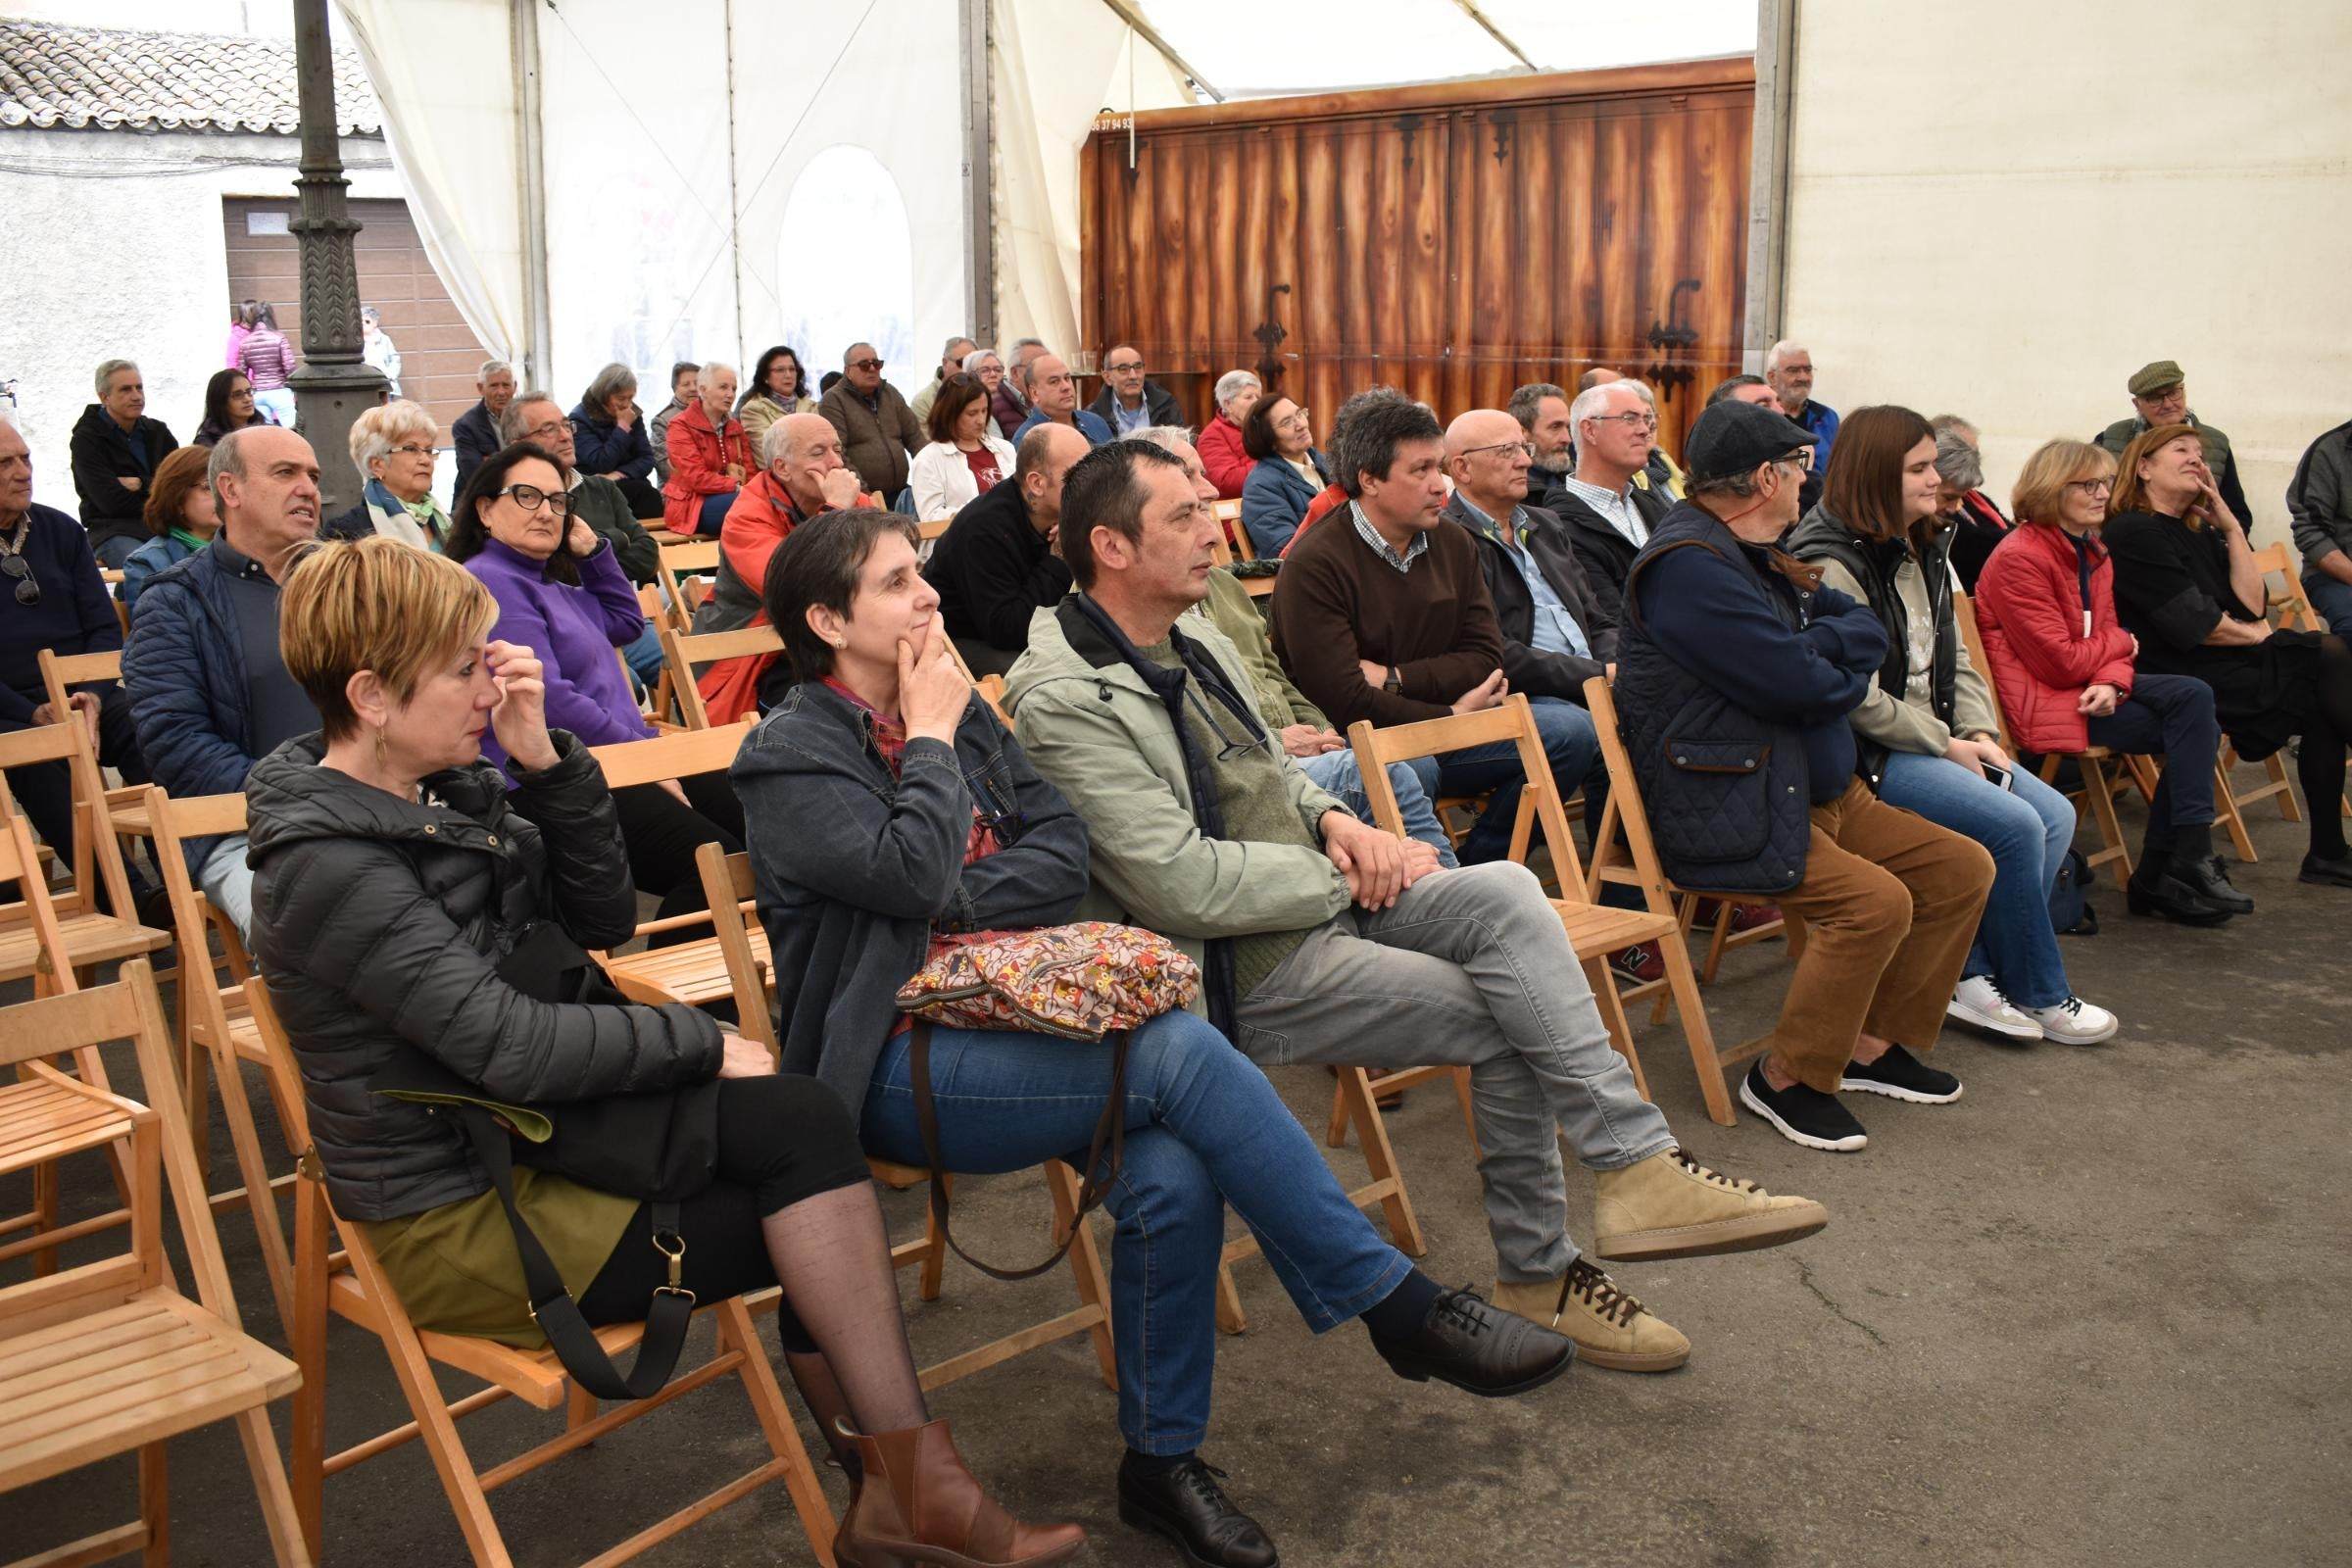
2092 487
531 498
28 587
1124 366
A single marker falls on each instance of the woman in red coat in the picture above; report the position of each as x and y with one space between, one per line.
709 458
2063 666
1220 443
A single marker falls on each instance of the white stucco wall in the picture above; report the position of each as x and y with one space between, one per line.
2003 210
117 251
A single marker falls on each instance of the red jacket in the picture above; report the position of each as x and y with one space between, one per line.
1222 455
2030 612
698 454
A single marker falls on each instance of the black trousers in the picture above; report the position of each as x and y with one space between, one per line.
645 497
662 833
780 1140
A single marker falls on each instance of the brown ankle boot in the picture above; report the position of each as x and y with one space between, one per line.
919 1504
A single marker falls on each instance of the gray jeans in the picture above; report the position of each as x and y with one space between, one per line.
1472 967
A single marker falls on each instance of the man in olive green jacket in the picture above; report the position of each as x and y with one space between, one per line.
1323 940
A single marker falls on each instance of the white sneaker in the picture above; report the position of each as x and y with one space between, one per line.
1977 1000
2074 1022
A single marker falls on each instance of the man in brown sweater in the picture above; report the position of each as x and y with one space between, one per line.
1384 614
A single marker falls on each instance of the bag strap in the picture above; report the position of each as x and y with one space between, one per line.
558 1315
1109 1129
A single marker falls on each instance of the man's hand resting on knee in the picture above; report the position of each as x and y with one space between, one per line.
1377 866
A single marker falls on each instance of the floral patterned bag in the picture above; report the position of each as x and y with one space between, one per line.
1091 981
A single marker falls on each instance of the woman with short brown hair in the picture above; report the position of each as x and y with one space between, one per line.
179 513
1928 736
2187 585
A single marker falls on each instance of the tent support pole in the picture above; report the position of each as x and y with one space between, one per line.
979 200
734 200
530 143
1469 8
1135 19
1767 180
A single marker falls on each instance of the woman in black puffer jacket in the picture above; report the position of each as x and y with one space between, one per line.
393 871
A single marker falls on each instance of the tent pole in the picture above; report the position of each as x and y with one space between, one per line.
530 142
980 202
734 201
1469 8
1767 180
1135 19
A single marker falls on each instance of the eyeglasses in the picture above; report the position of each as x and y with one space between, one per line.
28 590
1295 420
410 451
1527 447
2092 487
1124 366
1631 418
531 498
865 365
538 432
1228 748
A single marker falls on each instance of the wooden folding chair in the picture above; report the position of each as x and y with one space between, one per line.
1236 537
684 653
109 1357
727 883
60 674
692 972
681 570
217 1034
38 1231
352 1284
2103 772
94 860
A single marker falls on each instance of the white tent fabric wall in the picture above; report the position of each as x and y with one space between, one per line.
442 76
1997 234
1056 65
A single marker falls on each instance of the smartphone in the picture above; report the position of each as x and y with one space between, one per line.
1997 775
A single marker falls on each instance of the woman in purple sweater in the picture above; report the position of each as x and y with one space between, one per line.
560 593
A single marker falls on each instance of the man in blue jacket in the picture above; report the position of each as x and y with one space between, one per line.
1736 673
209 692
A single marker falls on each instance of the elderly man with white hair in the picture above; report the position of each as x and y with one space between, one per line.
392 447
950 359
1608 516
1788 372
1221 451
475 432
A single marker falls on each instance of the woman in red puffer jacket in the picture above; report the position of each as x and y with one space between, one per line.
2062 666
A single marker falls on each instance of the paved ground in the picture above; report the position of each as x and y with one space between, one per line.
2092 1313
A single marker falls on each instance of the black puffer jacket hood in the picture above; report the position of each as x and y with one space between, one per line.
379 925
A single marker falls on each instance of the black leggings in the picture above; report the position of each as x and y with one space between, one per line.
662 835
780 1140
2320 760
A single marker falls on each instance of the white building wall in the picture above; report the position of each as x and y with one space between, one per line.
117 251
2004 209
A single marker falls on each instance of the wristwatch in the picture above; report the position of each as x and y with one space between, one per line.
1395 682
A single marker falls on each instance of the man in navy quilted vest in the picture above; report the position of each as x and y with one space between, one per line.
1736 673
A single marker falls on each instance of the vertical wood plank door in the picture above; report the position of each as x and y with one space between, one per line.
1455 240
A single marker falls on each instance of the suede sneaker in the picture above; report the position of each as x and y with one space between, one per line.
1639 965
1670 1206
1610 1328
1802 1114
1903 1076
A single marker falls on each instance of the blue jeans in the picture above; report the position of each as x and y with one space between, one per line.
1570 744
112 553
644 657
712 513
1203 1129
2332 599
1337 776
2027 829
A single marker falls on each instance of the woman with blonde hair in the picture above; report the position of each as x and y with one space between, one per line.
392 447
2188 586
405 894
2065 670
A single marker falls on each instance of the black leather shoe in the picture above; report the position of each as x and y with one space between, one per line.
1479 1347
2326 873
2166 895
2209 883
1188 1506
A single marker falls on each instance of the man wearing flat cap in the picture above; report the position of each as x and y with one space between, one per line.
1737 670
2160 393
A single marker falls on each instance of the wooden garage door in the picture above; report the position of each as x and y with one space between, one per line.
438 353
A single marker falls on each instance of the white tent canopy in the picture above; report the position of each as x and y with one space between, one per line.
717 176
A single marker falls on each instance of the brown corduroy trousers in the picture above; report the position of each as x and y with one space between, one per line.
1889 904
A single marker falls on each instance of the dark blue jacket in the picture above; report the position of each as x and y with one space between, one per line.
190 697
1275 496
1734 683
852 868
74 615
476 439
601 446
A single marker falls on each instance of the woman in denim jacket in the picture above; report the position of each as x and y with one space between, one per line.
888 811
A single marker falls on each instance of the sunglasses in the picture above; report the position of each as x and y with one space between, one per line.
865 365
28 588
